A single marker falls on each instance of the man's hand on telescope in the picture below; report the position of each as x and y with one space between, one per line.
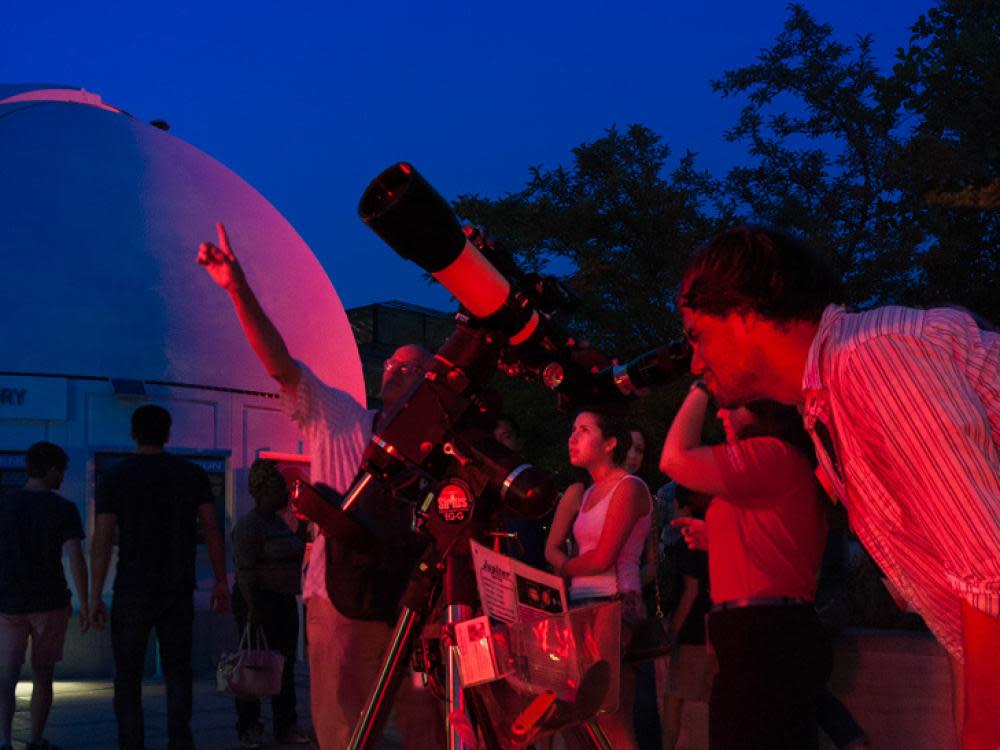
220 262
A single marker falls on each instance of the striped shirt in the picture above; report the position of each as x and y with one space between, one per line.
904 409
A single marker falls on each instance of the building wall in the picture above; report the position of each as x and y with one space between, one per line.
101 216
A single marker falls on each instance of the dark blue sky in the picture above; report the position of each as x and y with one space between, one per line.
309 103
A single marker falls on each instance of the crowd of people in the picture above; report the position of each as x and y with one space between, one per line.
893 413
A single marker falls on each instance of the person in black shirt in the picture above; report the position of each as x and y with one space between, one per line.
155 500
691 669
36 527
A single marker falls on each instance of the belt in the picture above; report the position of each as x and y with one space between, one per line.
764 601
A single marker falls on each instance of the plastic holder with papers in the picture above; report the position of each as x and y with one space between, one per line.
553 673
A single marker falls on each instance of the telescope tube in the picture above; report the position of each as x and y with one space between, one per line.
413 219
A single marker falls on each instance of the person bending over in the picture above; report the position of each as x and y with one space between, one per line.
903 406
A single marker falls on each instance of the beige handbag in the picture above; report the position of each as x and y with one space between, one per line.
250 672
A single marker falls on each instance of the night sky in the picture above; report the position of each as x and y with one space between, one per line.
309 101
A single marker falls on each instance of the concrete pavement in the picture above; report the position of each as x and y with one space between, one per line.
82 716
897 685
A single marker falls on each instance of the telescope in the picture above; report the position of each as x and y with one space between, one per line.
432 446
412 218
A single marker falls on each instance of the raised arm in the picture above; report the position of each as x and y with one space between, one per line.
225 270
629 502
562 523
684 459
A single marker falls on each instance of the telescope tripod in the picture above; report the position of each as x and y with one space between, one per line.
451 574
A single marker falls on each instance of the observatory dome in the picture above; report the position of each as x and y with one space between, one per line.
100 219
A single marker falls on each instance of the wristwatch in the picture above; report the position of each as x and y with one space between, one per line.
699 384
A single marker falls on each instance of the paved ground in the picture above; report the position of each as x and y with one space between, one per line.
82 717
897 685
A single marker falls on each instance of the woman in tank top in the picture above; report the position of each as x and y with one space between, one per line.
608 523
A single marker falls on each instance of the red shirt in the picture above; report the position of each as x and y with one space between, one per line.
767 529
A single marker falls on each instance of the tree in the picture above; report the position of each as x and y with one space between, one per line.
822 127
890 174
622 226
896 176
949 171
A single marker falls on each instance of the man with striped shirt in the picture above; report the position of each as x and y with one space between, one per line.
904 409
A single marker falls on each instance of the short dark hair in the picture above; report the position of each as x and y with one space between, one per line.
264 474
612 423
761 270
151 425
781 421
43 456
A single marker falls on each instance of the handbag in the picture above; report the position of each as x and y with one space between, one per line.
250 672
650 638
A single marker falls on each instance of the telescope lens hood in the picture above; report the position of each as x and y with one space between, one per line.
411 217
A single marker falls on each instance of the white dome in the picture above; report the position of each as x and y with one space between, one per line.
100 219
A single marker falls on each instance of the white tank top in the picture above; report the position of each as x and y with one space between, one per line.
624 574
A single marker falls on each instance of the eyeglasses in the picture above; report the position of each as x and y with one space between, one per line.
404 368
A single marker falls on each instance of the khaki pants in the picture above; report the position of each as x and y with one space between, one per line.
344 659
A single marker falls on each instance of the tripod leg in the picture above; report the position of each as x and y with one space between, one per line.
590 735
418 601
393 669
477 710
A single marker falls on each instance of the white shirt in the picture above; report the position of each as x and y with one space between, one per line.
337 430
587 528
